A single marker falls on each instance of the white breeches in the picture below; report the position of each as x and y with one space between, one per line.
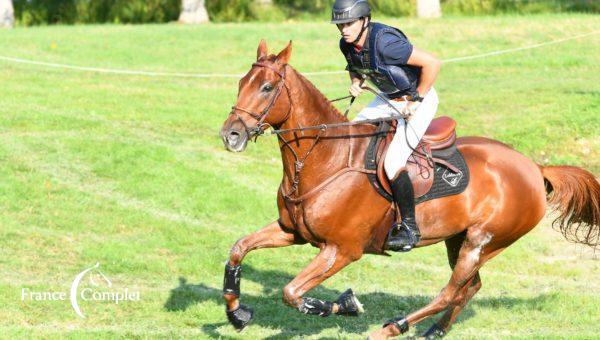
399 150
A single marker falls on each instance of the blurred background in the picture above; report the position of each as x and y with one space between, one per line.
40 12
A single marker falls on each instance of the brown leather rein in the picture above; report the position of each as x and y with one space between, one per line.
259 129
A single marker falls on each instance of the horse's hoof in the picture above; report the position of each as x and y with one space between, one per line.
434 332
348 304
240 317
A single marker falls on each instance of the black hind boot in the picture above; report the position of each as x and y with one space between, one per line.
403 236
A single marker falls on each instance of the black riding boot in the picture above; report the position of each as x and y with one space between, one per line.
403 236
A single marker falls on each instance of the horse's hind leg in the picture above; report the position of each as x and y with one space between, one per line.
329 261
442 326
271 236
469 260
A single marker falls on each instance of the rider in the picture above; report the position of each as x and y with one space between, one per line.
404 74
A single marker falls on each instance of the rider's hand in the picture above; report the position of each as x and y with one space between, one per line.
355 89
410 109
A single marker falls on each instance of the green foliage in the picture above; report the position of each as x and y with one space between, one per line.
242 10
475 7
390 8
36 12
313 6
228 10
393 8
141 11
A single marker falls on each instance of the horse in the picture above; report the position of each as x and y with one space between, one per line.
326 199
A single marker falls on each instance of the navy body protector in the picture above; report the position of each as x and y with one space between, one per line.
393 80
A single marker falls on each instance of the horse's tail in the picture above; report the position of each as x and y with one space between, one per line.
575 193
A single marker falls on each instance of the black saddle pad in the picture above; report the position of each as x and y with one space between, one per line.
445 181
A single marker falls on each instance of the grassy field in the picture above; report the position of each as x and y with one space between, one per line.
129 171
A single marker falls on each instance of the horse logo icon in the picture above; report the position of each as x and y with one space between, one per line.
452 178
76 282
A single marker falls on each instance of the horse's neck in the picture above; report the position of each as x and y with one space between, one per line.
309 105
311 108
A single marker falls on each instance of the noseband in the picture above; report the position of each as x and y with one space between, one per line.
259 129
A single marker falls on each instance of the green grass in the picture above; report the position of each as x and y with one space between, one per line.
129 171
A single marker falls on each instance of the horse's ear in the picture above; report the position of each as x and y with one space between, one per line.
284 56
262 49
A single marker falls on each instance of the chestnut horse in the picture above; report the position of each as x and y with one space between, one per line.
326 199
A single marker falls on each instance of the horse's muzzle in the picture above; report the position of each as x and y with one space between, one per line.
234 140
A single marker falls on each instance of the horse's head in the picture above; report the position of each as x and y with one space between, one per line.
263 99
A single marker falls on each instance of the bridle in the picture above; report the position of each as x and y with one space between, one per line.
260 127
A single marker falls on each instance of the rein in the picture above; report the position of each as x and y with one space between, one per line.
259 129
299 163
397 116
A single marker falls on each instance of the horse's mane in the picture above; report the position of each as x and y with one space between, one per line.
315 91
311 87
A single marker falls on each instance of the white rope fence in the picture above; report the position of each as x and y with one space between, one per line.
221 75
511 50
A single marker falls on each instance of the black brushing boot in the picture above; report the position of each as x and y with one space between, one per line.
404 236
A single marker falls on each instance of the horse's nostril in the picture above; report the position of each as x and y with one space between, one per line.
233 137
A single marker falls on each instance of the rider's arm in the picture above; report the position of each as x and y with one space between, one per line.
355 78
355 89
430 67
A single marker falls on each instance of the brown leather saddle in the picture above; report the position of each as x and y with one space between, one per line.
440 137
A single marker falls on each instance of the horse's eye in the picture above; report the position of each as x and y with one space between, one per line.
267 87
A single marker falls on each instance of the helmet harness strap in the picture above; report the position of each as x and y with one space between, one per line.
363 29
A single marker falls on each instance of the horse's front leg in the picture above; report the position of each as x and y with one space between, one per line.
271 236
328 262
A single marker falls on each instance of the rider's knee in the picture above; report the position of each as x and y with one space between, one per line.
391 168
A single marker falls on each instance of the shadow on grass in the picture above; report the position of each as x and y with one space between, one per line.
270 312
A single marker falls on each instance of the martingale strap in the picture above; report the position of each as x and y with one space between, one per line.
325 183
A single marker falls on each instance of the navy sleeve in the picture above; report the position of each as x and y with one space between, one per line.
343 49
394 49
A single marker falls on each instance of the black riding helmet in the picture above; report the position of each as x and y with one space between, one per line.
349 10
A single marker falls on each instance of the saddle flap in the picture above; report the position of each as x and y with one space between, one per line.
419 166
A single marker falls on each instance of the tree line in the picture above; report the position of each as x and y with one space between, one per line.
41 12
